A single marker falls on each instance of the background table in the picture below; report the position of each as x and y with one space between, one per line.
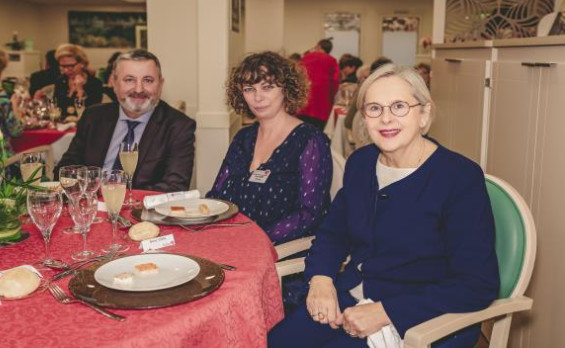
238 314
37 137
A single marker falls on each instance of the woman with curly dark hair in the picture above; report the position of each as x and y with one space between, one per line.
278 170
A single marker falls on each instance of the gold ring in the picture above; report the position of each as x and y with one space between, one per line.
321 315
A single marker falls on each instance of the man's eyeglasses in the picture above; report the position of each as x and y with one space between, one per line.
68 66
398 109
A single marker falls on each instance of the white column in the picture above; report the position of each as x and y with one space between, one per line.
438 31
264 26
218 46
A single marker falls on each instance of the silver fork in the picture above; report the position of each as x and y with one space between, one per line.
62 297
203 227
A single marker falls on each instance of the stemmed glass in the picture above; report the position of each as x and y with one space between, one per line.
80 106
31 167
53 111
89 178
44 207
83 209
114 192
129 154
68 178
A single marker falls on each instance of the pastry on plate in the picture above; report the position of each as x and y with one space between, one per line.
147 268
143 230
125 278
18 282
178 211
203 209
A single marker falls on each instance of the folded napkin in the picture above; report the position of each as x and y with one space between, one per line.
151 202
102 206
61 127
387 337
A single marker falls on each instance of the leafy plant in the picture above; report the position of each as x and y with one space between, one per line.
12 190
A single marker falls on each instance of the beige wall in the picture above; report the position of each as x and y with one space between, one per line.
304 21
264 25
47 25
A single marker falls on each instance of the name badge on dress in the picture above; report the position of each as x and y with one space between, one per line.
259 176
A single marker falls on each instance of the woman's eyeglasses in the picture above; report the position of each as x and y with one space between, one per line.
398 109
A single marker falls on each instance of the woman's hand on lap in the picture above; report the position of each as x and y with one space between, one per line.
322 301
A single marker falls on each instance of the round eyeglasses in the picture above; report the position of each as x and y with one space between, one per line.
398 109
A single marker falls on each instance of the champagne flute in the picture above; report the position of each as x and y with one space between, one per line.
80 106
31 167
89 178
114 192
83 209
129 154
44 207
68 178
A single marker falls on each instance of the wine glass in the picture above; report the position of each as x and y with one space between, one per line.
80 106
114 192
89 178
83 209
44 207
53 111
68 178
129 154
31 167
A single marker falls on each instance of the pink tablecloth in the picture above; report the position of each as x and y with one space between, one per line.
238 314
33 138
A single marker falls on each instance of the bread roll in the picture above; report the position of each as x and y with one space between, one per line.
143 230
18 282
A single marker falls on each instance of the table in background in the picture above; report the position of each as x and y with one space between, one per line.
238 314
335 130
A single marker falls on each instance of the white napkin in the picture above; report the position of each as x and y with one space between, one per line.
387 337
61 127
151 202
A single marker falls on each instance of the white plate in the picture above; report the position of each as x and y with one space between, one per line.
191 207
173 270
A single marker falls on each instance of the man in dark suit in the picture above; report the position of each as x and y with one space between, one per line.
165 135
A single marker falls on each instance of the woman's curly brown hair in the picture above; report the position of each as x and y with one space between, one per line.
271 67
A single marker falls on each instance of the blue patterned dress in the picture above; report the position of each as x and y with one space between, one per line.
296 196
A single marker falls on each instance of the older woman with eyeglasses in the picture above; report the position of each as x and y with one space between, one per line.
416 220
76 82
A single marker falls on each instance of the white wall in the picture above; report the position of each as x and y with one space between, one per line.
171 31
304 21
47 25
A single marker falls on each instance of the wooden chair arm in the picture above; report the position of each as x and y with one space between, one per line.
293 247
288 267
423 335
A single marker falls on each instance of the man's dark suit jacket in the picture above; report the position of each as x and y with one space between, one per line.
166 148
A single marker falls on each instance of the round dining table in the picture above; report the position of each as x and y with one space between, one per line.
37 137
237 314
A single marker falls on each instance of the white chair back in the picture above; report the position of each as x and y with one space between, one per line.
338 170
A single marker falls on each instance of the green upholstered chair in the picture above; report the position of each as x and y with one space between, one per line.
515 250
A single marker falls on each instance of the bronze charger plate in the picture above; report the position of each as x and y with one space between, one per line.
156 218
209 279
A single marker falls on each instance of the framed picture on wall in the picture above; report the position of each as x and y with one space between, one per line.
235 18
105 29
141 36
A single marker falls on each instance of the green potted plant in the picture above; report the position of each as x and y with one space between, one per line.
12 199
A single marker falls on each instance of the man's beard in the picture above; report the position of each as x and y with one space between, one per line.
128 104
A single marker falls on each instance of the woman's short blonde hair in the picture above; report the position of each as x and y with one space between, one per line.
419 89
3 60
70 50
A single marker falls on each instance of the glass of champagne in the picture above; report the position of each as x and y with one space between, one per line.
129 154
114 192
80 105
68 178
89 178
83 209
31 167
44 207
